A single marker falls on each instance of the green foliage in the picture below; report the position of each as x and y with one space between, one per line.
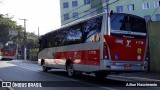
6 25
32 39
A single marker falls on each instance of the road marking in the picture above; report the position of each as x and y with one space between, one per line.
107 88
10 88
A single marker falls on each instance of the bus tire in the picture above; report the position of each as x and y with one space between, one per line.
44 68
101 75
70 70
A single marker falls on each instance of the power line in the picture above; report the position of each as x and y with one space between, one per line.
154 12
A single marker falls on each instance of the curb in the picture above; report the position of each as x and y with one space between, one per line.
27 61
33 62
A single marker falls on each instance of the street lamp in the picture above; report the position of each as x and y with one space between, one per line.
25 39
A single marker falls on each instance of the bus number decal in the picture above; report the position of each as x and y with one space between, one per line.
92 52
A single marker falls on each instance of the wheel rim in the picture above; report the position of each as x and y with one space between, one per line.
70 70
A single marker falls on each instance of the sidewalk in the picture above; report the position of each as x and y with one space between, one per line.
29 61
137 76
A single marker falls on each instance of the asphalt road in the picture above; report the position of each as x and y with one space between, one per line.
57 79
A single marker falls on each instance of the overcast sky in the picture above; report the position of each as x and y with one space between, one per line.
44 14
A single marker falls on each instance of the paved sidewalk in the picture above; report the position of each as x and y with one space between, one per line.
29 61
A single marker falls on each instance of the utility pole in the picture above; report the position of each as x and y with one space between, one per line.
38 32
25 39
17 46
108 17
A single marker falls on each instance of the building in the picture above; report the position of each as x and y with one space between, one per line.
148 9
72 10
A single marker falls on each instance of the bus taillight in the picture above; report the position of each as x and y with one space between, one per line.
105 51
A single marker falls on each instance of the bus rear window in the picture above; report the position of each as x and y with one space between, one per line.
126 22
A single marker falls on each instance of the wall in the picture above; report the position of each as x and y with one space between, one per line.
154 44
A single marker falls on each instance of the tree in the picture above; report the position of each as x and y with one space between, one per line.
32 39
6 25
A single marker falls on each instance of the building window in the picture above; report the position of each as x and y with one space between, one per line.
75 15
65 5
145 5
157 16
66 16
74 3
119 8
147 18
130 7
156 3
87 2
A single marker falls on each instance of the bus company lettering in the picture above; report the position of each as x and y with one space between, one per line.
119 41
34 85
14 84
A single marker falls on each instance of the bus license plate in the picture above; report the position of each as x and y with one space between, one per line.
127 67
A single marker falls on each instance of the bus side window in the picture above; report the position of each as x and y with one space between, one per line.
92 28
73 35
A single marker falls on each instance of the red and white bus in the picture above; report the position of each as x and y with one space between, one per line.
8 52
100 44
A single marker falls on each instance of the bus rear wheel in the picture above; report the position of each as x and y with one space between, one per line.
44 68
70 70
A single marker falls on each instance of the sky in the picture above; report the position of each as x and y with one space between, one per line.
44 14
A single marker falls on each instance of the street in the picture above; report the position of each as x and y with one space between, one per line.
57 79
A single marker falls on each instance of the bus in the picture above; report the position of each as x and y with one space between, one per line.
8 52
104 43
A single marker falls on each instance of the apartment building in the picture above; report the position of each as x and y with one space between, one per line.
148 9
78 9
72 10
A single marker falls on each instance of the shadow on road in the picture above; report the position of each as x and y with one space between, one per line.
91 79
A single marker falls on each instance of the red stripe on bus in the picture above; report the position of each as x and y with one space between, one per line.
86 57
